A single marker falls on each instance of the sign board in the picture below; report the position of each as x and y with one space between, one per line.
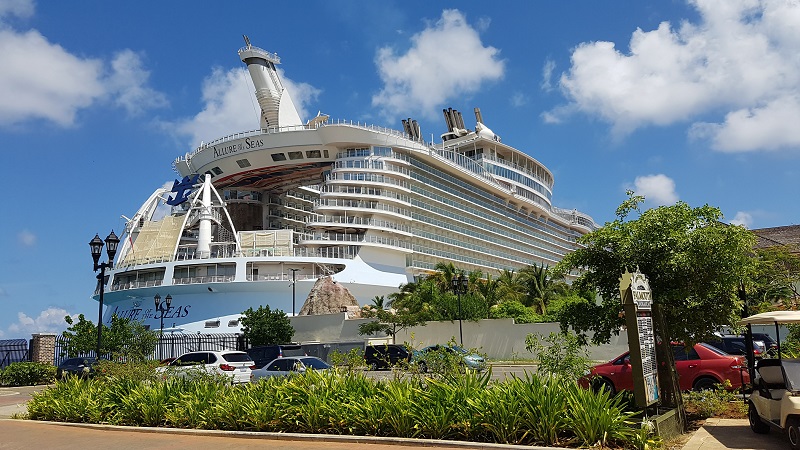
637 301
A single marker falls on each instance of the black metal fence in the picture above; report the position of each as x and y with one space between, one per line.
13 350
174 345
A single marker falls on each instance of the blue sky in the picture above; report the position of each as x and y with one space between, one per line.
697 101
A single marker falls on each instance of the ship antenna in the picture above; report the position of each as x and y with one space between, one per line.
246 41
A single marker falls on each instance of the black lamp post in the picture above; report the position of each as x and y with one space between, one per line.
112 241
460 288
294 292
167 302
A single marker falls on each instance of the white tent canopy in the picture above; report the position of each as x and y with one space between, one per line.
772 317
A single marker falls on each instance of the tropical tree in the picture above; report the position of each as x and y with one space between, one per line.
264 326
126 339
774 279
541 287
695 264
391 322
510 286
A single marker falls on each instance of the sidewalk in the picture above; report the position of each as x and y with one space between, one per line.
718 434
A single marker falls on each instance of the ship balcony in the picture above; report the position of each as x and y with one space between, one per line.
378 241
349 222
202 280
133 285
365 207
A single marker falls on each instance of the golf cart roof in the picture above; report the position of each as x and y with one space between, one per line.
772 317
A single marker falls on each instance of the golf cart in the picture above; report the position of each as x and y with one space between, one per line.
775 400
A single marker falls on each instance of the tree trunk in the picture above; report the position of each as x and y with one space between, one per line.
669 388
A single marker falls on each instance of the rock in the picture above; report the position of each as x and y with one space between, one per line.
329 297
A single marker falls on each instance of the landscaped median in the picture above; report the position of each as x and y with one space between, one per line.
467 407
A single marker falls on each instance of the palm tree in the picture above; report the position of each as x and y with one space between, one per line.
488 289
540 286
509 286
445 272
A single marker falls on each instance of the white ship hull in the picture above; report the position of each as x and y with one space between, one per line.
372 207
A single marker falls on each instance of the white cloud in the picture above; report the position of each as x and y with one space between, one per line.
435 69
20 8
739 58
658 189
518 99
230 105
743 218
50 320
40 80
547 75
26 238
127 84
769 127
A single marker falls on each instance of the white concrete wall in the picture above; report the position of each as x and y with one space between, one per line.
499 339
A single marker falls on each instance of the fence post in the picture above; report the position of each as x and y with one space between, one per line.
43 348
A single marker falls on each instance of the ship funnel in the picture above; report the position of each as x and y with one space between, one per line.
277 107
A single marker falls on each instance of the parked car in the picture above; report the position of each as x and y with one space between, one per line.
230 363
264 354
82 367
735 345
771 344
289 365
383 356
701 367
469 360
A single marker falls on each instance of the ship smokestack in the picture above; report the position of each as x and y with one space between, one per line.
277 107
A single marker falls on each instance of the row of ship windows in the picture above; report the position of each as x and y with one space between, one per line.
495 205
463 207
361 176
363 190
367 151
519 178
477 248
476 232
468 259
245 163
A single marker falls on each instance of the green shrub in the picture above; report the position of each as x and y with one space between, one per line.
27 374
460 406
141 371
559 354
711 402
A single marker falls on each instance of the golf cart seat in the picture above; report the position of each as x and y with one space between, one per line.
770 383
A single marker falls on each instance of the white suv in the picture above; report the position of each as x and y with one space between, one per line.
234 364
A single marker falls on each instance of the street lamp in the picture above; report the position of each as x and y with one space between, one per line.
294 292
460 288
112 241
167 302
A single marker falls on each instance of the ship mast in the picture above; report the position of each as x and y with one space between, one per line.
277 107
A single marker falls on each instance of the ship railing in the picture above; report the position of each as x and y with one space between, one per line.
576 217
270 130
362 204
548 183
344 237
279 276
207 279
367 177
466 163
134 285
351 220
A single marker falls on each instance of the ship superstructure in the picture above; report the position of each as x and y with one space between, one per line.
259 213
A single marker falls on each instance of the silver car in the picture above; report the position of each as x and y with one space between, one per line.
288 365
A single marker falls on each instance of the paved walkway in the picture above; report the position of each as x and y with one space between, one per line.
718 434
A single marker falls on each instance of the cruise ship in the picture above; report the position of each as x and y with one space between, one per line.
255 218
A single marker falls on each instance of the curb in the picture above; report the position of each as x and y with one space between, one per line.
303 437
